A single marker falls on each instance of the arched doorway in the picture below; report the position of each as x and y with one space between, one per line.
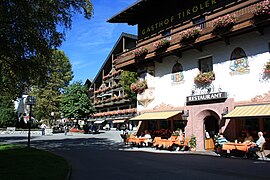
211 125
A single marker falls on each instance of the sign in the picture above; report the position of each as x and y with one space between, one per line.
207 97
177 14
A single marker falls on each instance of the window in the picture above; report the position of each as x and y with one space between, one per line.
166 33
199 21
238 53
177 67
206 64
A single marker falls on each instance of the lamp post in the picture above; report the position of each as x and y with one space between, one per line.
30 100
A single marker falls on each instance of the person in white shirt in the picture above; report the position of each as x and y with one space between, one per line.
43 127
148 137
256 146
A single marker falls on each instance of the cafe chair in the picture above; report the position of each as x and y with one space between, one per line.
263 156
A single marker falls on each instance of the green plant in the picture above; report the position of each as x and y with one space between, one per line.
267 67
192 33
138 87
193 141
204 78
224 21
161 43
262 8
140 51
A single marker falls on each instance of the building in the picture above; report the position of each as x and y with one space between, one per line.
206 61
110 100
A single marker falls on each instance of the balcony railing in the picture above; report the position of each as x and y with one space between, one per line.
243 16
115 112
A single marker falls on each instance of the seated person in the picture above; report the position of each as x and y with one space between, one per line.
221 140
248 138
256 146
148 138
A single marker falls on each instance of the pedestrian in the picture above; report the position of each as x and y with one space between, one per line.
66 129
43 127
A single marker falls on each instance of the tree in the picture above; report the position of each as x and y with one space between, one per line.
48 97
7 111
75 103
127 78
29 31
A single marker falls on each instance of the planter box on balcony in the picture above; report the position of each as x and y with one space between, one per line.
125 58
222 30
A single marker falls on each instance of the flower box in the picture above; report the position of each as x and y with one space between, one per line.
141 51
190 35
138 87
223 24
161 44
262 9
267 68
204 78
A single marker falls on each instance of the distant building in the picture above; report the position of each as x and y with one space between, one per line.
105 92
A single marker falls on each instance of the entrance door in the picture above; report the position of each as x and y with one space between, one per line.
211 125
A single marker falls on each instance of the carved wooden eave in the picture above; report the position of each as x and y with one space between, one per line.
265 98
163 107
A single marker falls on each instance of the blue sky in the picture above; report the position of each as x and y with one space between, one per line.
89 42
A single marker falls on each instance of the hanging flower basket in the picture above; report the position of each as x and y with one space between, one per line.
141 51
138 87
190 35
161 44
267 68
262 9
204 78
223 24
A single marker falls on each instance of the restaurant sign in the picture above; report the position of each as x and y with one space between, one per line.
207 97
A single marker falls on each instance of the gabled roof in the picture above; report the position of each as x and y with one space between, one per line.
108 61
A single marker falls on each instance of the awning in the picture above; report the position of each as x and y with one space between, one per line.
98 122
156 115
249 111
119 121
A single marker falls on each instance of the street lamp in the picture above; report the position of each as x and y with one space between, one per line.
30 100
185 115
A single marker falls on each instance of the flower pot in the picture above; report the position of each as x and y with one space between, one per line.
193 149
267 71
222 30
188 41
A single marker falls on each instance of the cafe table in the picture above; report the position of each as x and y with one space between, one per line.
236 146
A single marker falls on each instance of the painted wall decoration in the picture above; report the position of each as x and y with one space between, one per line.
177 77
239 66
146 97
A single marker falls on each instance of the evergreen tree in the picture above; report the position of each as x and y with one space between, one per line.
48 97
7 111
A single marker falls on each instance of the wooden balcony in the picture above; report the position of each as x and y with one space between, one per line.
244 23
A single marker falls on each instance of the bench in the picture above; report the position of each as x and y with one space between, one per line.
11 130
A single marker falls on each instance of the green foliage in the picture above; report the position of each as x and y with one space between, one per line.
49 96
193 141
127 78
7 112
75 103
30 30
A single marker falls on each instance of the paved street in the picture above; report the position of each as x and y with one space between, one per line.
104 156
